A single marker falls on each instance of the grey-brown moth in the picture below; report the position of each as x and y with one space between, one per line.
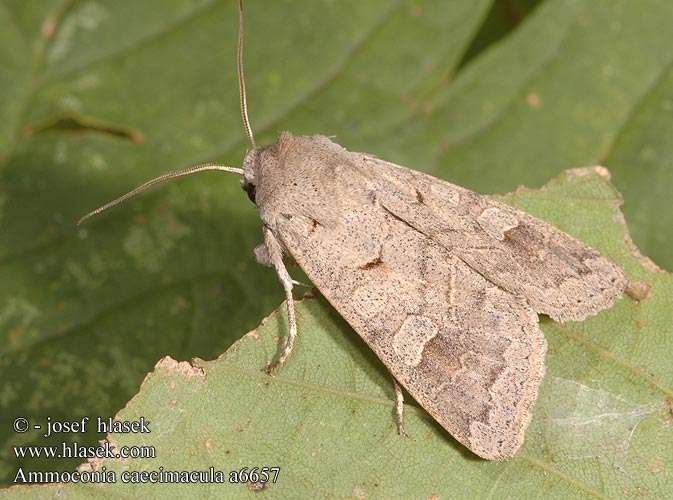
443 284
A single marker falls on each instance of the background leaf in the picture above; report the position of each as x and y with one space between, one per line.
600 429
100 96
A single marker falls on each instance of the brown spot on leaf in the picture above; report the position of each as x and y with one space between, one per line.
244 427
257 487
359 491
533 100
639 290
49 27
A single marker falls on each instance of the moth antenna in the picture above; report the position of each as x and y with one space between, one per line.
241 78
157 180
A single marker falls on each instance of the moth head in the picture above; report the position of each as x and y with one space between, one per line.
263 163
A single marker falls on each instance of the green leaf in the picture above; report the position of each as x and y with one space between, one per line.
600 429
98 97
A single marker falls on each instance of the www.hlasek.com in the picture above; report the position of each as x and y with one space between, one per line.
97 472
75 450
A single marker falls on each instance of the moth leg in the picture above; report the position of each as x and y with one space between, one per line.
399 409
262 256
300 283
275 254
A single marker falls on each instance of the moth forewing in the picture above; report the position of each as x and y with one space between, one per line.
557 274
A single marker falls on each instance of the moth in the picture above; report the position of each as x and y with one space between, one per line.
443 284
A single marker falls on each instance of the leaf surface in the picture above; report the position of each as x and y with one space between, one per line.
601 425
